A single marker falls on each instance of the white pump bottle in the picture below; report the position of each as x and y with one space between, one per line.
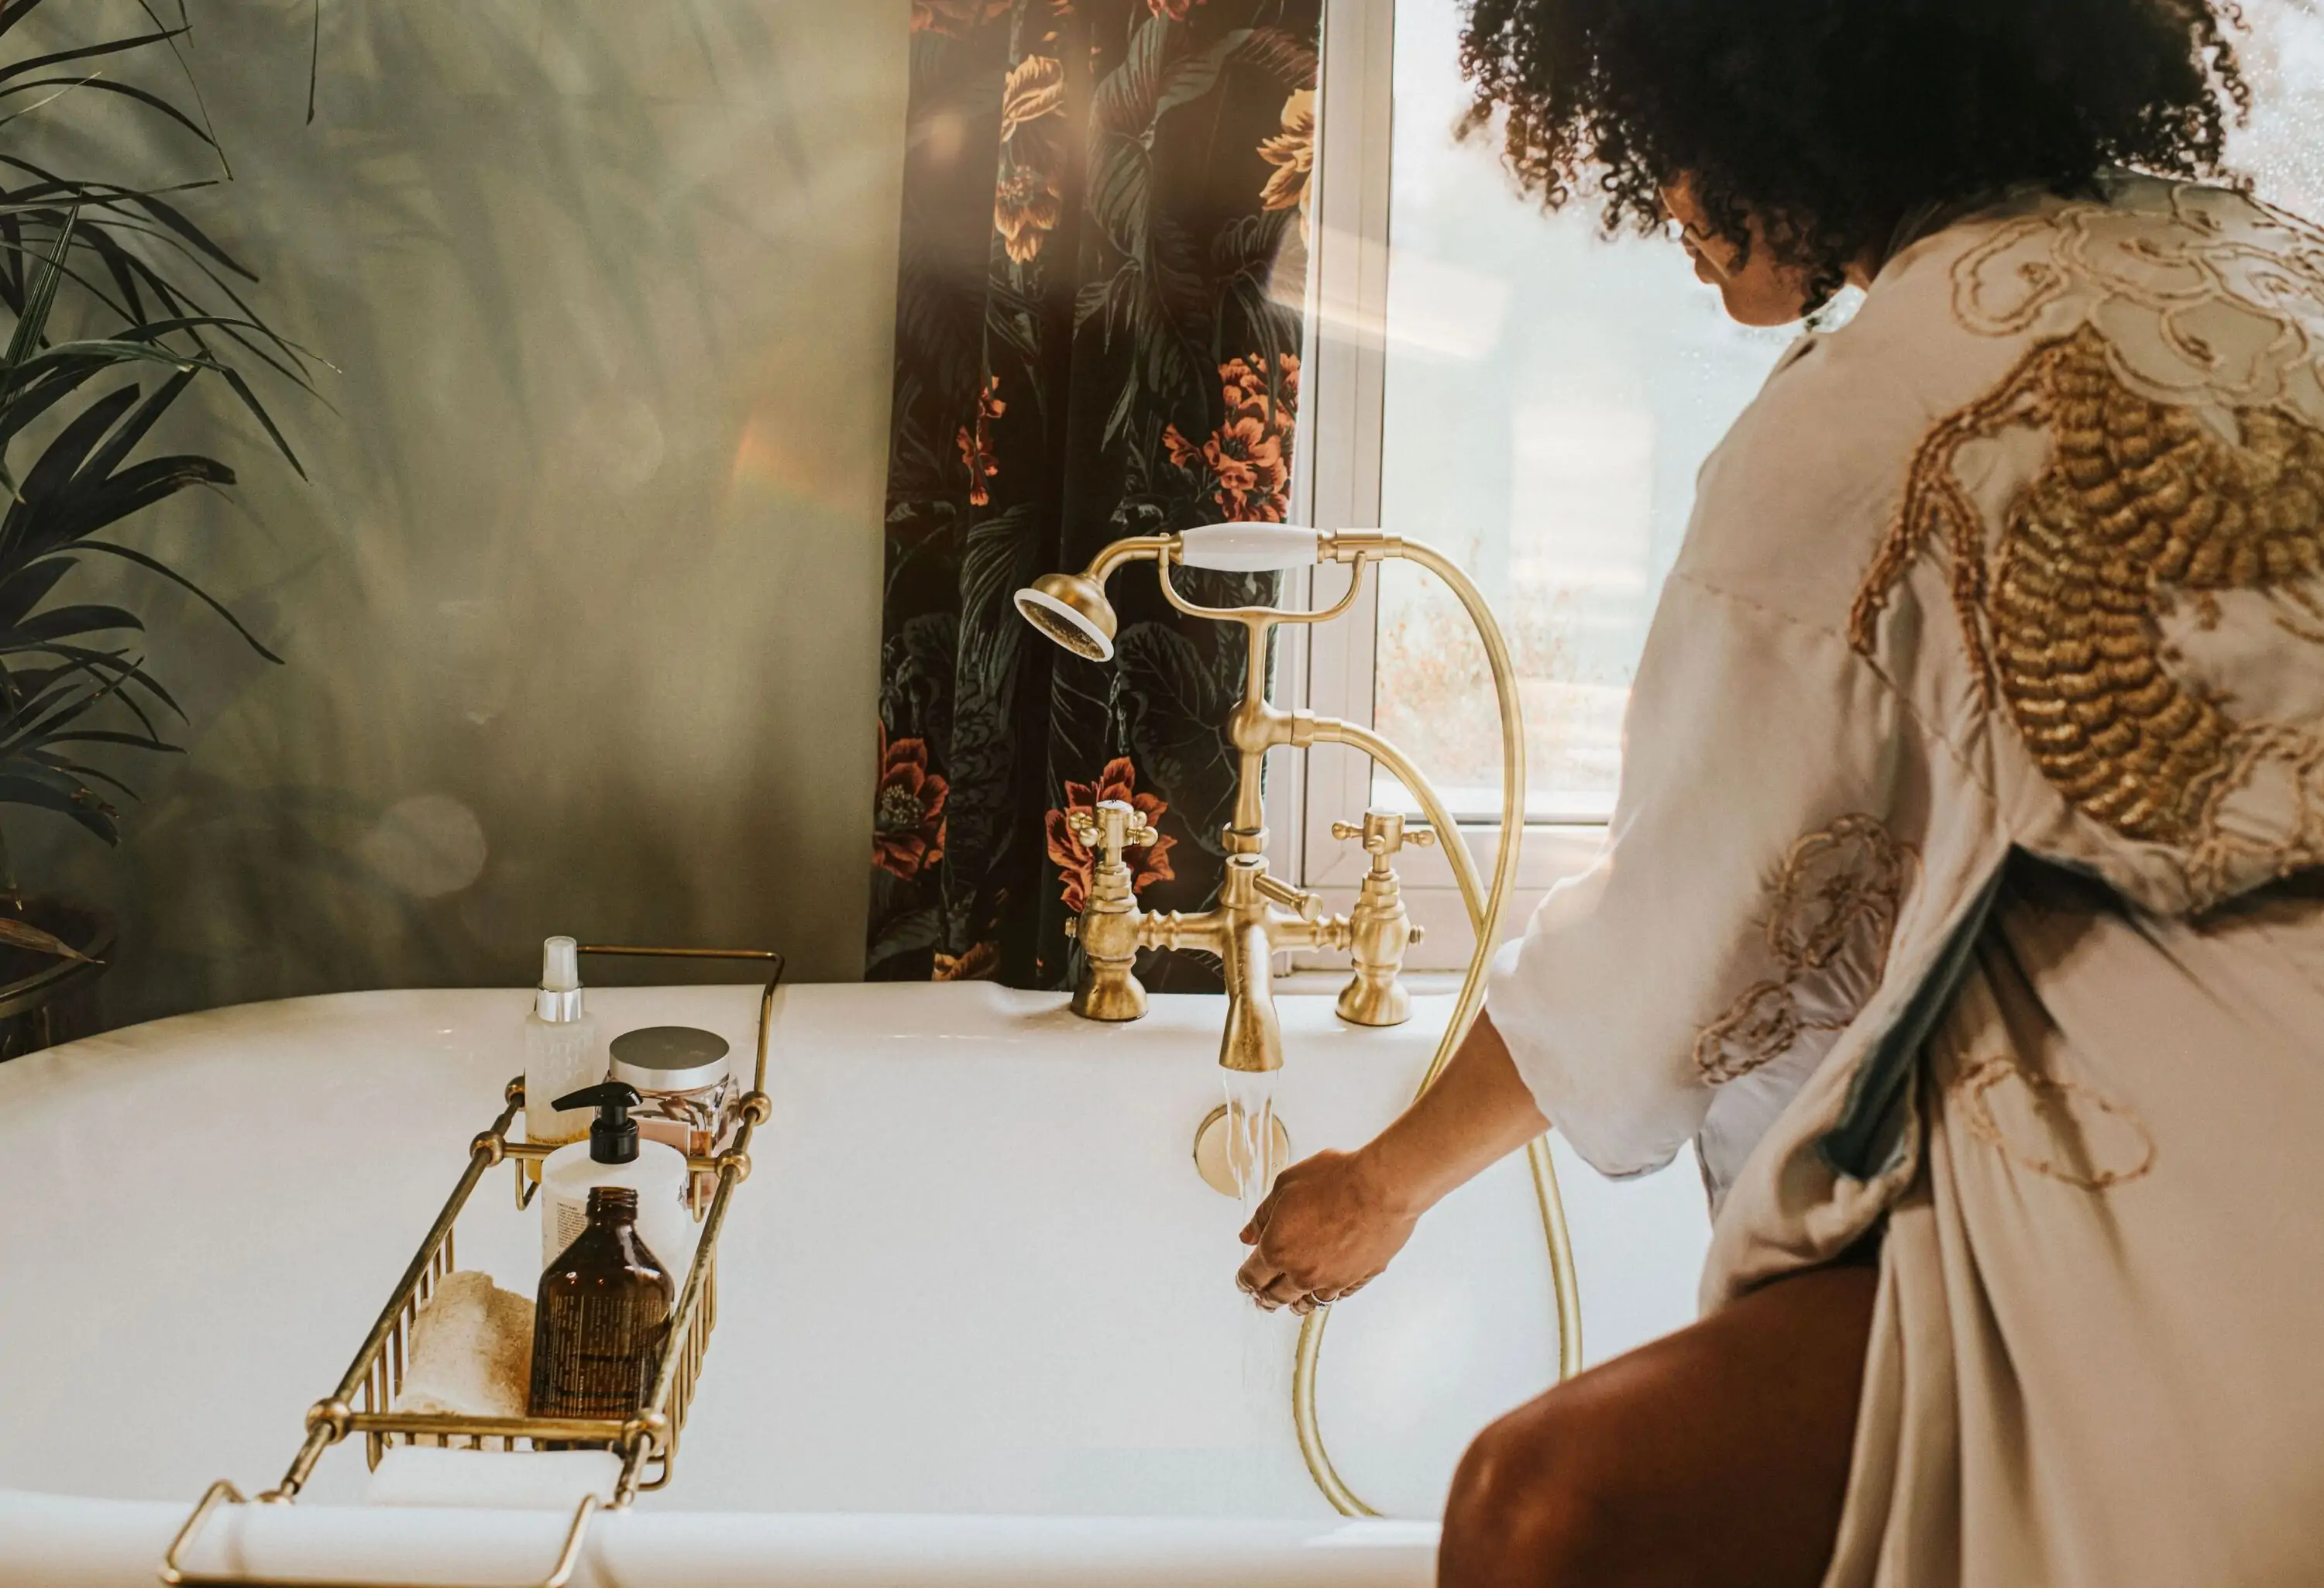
614 1155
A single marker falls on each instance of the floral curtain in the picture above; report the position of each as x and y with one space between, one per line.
1097 334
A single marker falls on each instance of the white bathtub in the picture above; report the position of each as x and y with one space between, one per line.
976 1321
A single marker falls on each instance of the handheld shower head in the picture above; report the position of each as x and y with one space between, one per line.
1071 609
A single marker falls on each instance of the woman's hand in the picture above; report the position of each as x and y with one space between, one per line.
1334 1220
1329 1227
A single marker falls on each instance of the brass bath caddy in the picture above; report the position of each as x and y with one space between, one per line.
364 1403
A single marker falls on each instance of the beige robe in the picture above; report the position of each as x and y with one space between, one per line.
1964 878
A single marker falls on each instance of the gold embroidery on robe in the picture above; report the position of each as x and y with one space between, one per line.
1835 897
2209 298
2062 1130
2140 500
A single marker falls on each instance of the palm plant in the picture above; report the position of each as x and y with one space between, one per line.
140 276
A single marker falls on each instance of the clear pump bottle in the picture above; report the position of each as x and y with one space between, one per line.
561 1050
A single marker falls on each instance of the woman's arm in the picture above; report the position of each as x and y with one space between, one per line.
1334 1220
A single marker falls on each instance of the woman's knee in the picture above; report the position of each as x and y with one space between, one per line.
1526 1506
1716 1456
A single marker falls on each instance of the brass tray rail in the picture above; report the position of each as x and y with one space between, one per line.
365 1395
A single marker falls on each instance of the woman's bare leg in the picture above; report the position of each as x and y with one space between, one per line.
1716 1457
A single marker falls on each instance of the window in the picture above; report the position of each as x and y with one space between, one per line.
1549 395
1536 401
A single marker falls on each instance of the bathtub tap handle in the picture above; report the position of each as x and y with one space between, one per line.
1107 928
1384 836
1308 907
1379 925
1111 831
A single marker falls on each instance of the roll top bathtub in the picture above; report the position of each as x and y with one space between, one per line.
976 1317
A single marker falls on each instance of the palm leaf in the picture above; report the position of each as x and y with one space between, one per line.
89 775
14 11
16 933
62 458
114 450
86 53
63 622
104 85
110 199
81 802
33 318
28 585
107 665
33 686
129 555
164 294
34 529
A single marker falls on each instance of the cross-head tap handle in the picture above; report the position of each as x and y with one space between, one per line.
1383 832
1116 825
1107 926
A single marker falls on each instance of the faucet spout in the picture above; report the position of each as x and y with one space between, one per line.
1252 1040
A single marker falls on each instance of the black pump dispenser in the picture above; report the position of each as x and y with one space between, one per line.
613 1134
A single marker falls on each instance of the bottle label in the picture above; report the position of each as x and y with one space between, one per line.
596 1354
571 1218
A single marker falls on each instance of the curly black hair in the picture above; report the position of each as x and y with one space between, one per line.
1832 122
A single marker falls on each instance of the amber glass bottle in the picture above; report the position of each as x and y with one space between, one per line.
603 1319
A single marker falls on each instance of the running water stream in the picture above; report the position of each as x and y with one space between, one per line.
1250 1135
1268 1338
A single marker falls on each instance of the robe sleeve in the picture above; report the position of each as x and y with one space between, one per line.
1689 954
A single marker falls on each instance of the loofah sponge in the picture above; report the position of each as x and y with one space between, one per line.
471 1350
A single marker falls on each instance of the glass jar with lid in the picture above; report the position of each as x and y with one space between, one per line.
687 1092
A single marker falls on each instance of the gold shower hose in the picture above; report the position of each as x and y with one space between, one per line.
1485 913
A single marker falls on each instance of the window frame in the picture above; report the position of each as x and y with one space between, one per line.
1330 668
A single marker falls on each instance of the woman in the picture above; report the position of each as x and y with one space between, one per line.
1960 904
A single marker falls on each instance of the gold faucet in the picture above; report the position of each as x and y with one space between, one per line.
1246 927
1245 930
1258 915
